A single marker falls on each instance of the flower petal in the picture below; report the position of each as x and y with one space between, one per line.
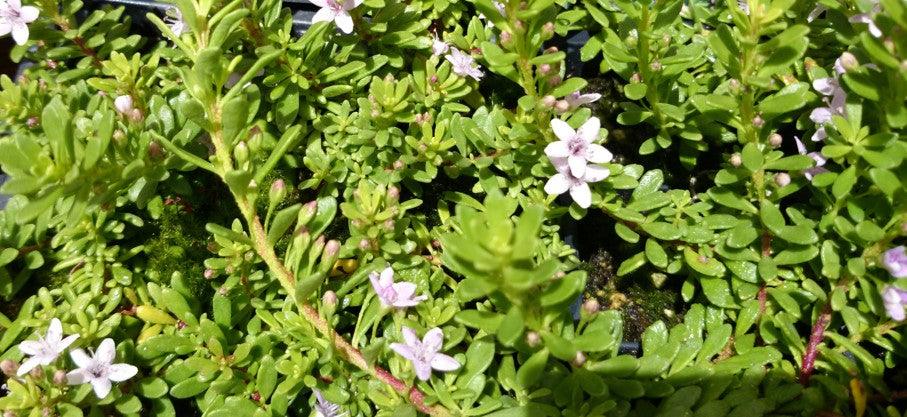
101 387
558 184
28 365
28 14
404 351
80 358
345 22
31 347
581 194
321 3
66 342
423 370
577 165
595 173
589 130
107 350
5 28
433 340
819 136
376 283
54 332
20 33
562 130
598 154
405 290
76 377
324 15
820 115
557 149
121 372
444 363
387 277
825 86
409 336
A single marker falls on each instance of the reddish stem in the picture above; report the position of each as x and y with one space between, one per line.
762 296
812 350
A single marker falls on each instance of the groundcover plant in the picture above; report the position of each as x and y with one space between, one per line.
430 206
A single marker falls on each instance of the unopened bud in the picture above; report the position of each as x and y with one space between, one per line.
329 299
241 152
736 160
775 140
393 194
209 273
51 64
364 244
655 65
758 121
782 179
562 106
809 64
10 413
519 26
549 101
548 30
579 360
734 85
32 122
136 115
255 396
506 39
591 306
551 50
545 69
155 151
889 45
37 372
555 80
533 339
398 165
278 192
389 224
635 78
123 104
332 248
904 228
119 136
849 61
9 367
307 212
60 377
433 79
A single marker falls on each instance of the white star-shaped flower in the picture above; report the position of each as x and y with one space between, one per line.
577 145
99 369
424 354
46 349
14 18
337 11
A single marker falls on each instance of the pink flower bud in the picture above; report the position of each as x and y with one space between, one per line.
60 377
329 299
9 367
562 106
782 179
533 339
736 160
591 306
544 69
393 193
332 248
579 360
775 140
364 244
209 273
32 122
758 121
549 101
123 104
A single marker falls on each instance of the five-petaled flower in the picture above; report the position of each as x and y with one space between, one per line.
46 349
391 294
579 189
337 11
424 354
576 99
895 261
99 369
820 160
14 18
463 64
895 299
325 408
577 146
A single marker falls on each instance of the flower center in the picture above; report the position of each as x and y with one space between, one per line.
576 147
97 371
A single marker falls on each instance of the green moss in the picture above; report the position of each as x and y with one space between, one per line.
180 244
638 300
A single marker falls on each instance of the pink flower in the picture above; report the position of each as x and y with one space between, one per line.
816 156
463 64
14 17
895 261
577 145
424 354
439 47
392 294
336 11
576 99
894 299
